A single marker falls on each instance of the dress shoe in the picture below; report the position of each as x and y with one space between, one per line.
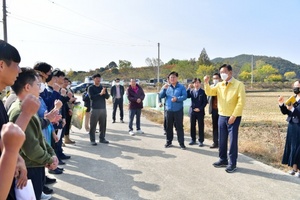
93 143
182 146
201 144
56 171
60 162
114 121
47 190
104 141
60 168
213 146
50 180
64 157
192 142
122 121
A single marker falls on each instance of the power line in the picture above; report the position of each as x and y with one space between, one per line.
111 27
41 24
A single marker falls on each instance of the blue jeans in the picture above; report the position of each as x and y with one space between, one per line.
132 113
226 129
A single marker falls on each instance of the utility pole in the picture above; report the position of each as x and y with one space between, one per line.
158 63
4 21
252 71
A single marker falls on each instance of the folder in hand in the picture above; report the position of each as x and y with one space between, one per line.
290 101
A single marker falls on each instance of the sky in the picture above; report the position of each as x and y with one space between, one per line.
83 35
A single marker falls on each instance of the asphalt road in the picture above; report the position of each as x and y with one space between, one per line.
139 167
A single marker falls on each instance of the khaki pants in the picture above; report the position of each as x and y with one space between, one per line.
87 121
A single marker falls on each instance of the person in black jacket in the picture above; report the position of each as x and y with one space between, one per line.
196 111
87 103
117 92
98 95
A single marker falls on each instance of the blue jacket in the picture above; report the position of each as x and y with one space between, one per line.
179 92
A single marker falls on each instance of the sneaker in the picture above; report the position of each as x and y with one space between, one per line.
139 132
165 132
220 164
168 144
45 196
192 142
131 133
292 172
56 171
201 144
182 146
230 168
297 174
122 121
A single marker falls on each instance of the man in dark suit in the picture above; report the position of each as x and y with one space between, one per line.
213 110
117 92
197 112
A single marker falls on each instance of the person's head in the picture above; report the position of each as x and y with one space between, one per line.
9 64
27 83
117 81
197 83
97 79
216 78
225 72
173 78
45 70
133 82
58 77
66 82
296 87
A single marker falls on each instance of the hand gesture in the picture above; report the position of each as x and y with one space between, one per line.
280 99
57 104
63 92
30 105
138 100
70 94
206 79
56 87
174 99
166 86
12 137
190 86
21 173
196 109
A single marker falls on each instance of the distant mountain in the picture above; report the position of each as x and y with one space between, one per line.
281 64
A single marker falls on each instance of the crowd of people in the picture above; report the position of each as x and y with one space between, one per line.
36 118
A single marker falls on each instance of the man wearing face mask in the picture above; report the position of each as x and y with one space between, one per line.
231 101
213 110
117 92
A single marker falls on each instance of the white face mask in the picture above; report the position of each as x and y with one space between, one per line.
224 76
215 81
42 87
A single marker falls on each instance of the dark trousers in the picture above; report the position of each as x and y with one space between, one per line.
165 120
175 117
215 118
226 130
98 116
118 103
67 127
132 113
197 117
37 176
57 146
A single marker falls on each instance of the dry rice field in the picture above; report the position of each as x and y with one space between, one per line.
262 131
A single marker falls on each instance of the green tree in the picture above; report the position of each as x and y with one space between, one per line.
124 64
205 70
203 58
274 78
290 75
263 72
185 69
245 76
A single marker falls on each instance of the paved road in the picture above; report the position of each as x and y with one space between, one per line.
139 167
